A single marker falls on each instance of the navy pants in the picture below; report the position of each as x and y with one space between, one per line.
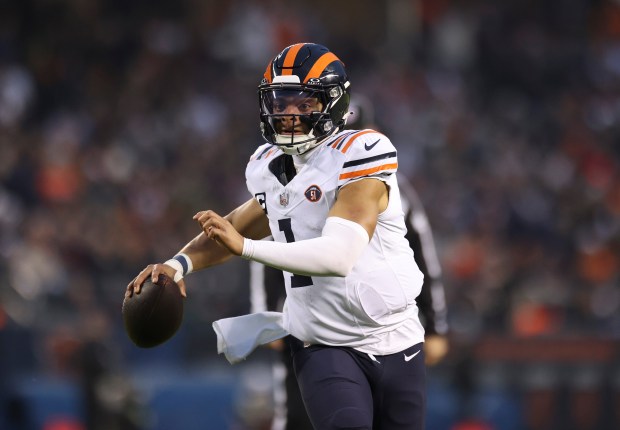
346 389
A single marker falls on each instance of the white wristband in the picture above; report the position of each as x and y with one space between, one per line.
177 266
185 261
182 264
177 276
248 248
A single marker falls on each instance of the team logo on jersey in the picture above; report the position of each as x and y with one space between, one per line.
313 193
284 199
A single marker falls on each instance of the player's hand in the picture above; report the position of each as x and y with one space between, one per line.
435 348
219 229
153 271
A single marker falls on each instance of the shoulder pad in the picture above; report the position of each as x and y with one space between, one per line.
368 154
263 151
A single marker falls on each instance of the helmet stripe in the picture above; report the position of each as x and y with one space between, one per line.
268 73
289 60
320 65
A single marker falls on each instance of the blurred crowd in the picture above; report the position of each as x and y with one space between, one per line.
120 119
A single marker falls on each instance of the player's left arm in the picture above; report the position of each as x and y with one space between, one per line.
361 202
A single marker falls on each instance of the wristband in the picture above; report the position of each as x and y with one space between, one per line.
186 263
177 276
175 265
248 249
182 265
178 269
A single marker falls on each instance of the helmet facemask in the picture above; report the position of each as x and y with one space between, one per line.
298 117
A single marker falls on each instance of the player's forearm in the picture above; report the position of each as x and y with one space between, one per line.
204 252
334 253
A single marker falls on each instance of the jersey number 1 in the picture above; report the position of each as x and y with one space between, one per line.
296 280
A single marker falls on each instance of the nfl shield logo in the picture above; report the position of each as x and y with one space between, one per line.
284 199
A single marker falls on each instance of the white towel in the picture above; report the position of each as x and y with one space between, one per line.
238 336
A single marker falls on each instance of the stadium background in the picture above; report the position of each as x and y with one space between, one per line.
119 120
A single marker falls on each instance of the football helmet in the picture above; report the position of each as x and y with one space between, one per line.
303 97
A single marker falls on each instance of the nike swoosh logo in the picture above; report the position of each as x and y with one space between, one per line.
372 145
409 357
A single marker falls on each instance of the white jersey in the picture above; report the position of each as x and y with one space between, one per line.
373 309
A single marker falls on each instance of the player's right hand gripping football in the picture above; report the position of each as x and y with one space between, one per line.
153 271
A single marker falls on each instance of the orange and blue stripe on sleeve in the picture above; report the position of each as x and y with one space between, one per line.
343 143
381 164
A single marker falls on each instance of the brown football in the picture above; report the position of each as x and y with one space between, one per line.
155 314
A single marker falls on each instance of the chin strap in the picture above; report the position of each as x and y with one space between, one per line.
302 144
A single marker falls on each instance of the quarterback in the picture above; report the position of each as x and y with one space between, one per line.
329 197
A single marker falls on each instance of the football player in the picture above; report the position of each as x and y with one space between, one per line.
267 293
329 197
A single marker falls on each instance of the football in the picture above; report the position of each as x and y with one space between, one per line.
155 314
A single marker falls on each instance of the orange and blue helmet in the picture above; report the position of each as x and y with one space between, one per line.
312 78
